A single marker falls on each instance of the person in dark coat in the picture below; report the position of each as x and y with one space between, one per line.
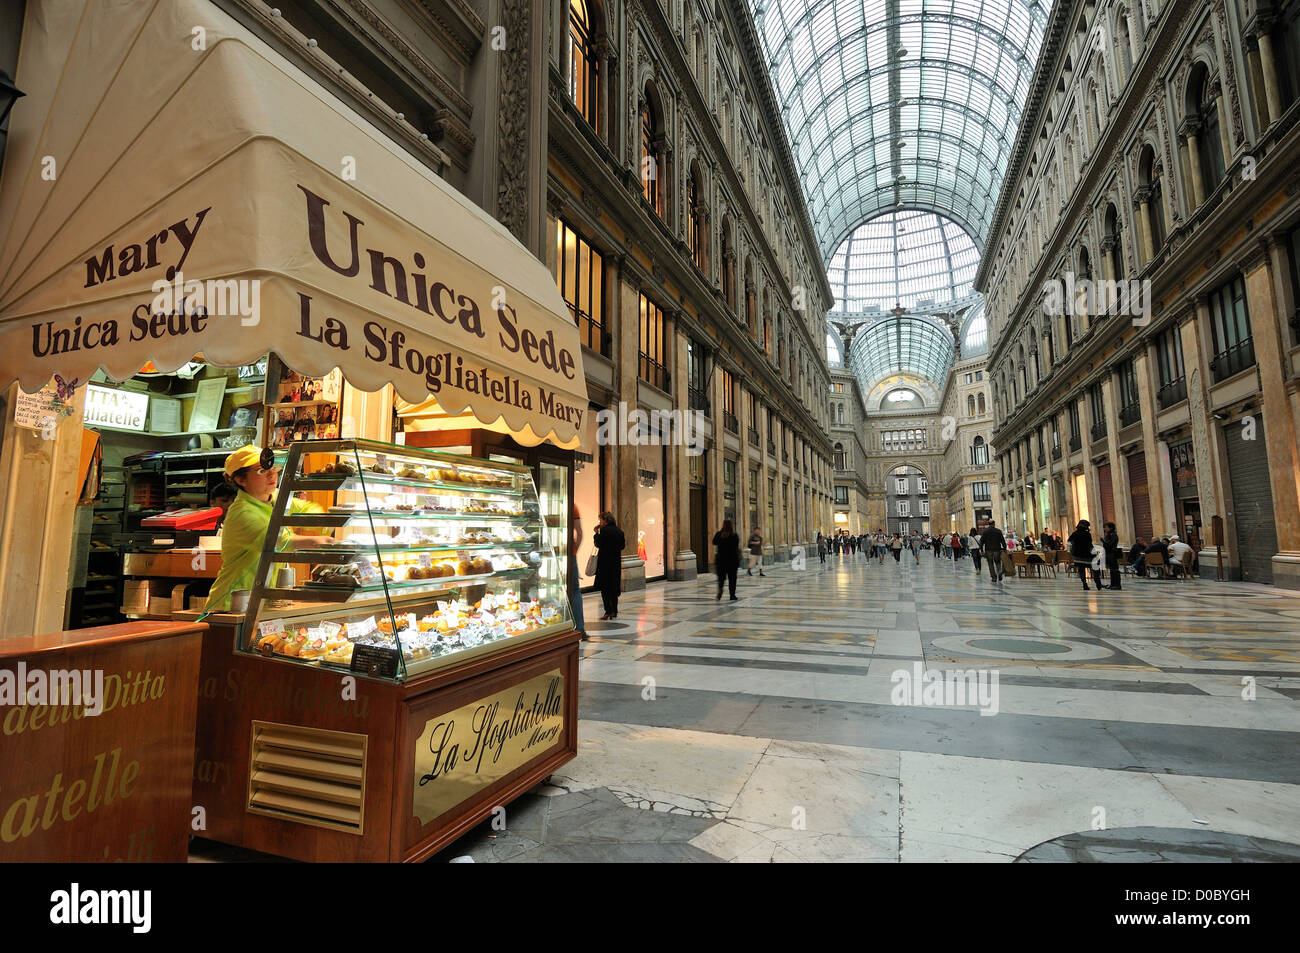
1110 542
1137 557
1080 543
727 561
994 545
610 543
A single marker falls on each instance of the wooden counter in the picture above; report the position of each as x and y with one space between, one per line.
302 761
79 786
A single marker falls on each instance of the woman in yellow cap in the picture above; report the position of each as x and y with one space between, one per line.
253 474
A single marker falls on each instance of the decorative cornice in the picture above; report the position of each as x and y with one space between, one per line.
422 66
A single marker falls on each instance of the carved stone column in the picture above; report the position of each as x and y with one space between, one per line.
1162 510
1119 480
1268 65
623 458
1146 250
1190 128
1107 259
682 560
1272 359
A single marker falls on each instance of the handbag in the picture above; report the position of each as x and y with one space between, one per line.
591 565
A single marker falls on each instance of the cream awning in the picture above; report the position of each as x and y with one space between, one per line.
133 153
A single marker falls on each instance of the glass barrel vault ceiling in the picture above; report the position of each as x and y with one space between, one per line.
900 103
913 259
902 345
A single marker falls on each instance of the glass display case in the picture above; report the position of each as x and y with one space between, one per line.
393 561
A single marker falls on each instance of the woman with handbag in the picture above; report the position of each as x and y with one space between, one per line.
610 543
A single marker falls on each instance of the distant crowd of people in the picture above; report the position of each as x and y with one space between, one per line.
988 544
981 545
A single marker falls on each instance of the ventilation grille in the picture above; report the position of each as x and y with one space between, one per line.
308 775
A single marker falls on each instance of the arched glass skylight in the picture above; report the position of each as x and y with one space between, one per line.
834 350
901 344
907 258
975 333
894 104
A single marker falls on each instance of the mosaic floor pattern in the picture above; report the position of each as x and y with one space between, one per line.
1159 723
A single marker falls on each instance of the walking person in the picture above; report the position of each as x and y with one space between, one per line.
994 545
896 545
726 562
916 549
610 543
755 553
973 544
1081 551
821 547
1110 542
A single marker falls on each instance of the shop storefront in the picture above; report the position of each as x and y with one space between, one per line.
379 304
588 494
651 529
1187 502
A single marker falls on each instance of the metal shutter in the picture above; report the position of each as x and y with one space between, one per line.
1252 502
1138 493
1107 493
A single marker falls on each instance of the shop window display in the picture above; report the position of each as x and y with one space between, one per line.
588 470
650 539
419 559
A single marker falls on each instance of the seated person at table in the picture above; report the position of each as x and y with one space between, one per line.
1181 556
1158 546
1137 557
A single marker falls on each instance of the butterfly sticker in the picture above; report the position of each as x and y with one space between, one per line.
62 400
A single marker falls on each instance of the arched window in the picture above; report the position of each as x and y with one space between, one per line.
1125 44
751 296
841 458
1114 243
1092 114
584 67
654 175
979 453
1149 173
1081 305
1203 114
728 267
697 230
970 405
981 402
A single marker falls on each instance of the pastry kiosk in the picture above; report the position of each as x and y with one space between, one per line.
407 662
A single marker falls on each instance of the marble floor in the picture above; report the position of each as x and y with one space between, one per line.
901 712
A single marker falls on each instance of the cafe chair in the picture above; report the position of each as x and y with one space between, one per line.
1156 565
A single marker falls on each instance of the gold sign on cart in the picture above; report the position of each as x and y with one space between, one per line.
463 751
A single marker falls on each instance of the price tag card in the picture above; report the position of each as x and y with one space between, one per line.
368 571
270 626
381 460
329 630
426 560
359 630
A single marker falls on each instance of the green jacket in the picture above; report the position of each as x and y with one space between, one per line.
243 535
